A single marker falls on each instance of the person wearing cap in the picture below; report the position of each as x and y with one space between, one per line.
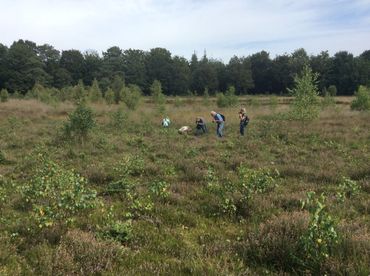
220 121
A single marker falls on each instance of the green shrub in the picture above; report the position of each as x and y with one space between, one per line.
362 100
347 188
232 99
80 122
4 95
233 194
227 99
120 231
130 165
321 236
56 194
159 189
221 100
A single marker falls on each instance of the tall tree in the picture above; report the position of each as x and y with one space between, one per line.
179 84
3 67
24 67
113 63
73 61
282 76
159 67
344 73
321 64
93 64
240 74
50 58
363 62
205 76
134 67
262 67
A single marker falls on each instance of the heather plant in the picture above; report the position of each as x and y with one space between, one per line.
55 194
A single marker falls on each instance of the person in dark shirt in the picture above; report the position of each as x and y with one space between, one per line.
201 125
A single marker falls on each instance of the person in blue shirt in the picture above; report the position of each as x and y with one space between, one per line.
220 121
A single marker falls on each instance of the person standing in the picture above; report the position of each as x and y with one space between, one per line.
219 119
244 120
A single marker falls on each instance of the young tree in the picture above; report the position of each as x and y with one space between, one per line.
117 85
305 92
79 92
95 94
156 92
4 95
109 96
132 96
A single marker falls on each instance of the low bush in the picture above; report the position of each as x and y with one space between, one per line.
347 188
55 194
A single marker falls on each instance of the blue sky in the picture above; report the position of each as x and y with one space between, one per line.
224 28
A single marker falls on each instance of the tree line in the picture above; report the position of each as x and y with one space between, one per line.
24 64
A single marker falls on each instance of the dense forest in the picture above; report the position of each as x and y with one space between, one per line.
25 63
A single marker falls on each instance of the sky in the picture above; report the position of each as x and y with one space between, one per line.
222 28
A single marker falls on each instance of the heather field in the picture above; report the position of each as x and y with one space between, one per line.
122 195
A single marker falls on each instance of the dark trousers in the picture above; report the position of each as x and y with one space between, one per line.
242 127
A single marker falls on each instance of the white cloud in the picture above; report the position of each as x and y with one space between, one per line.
224 28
